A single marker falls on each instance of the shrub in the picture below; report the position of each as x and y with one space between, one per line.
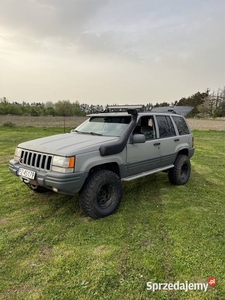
9 124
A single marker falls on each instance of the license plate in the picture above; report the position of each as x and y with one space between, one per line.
26 173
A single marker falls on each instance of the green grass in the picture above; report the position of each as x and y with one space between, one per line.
161 233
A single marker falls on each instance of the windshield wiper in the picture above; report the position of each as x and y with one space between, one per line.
83 132
94 133
78 131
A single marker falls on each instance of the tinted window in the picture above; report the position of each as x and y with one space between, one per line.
181 125
165 125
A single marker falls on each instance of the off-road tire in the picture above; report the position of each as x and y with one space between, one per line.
101 195
181 171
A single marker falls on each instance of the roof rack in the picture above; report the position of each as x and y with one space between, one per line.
124 108
134 109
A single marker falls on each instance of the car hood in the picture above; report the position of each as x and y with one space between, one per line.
67 144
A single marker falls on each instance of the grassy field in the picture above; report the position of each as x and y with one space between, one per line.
161 233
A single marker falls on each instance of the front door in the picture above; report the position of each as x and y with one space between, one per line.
144 156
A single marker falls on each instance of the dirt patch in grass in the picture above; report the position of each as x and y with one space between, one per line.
209 124
50 121
43 121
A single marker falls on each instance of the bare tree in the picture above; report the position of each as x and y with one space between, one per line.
64 108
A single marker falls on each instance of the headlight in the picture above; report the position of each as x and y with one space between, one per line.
63 164
17 154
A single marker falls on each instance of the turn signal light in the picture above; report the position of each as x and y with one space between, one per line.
71 162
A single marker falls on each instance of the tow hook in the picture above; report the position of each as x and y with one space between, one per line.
25 180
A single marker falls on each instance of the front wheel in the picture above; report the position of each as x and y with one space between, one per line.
181 171
101 195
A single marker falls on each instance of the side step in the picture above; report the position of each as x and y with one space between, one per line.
129 178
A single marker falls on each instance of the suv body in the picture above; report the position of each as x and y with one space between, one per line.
106 149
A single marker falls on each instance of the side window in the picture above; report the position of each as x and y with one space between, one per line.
165 125
181 125
146 126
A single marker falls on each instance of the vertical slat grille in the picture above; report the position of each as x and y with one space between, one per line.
36 160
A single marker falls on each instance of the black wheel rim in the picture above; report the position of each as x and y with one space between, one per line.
184 172
104 196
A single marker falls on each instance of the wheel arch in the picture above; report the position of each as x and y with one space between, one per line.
183 151
111 166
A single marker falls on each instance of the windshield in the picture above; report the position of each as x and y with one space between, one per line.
109 126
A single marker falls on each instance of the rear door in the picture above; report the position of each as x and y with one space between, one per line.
167 139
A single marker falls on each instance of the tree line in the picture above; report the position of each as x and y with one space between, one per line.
206 104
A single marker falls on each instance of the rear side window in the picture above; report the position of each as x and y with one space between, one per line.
181 125
165 125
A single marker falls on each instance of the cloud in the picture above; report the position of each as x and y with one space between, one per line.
139 30
130 47
48 18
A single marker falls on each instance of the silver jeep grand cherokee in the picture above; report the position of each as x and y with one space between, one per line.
122 144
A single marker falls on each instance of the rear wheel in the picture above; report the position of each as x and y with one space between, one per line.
101 195
181 171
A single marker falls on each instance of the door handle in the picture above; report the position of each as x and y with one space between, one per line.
156 144
176 140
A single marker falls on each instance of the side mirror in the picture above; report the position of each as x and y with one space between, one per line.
138 138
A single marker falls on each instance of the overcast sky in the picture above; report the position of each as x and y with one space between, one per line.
110 51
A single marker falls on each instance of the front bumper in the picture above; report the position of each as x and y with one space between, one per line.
69 183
